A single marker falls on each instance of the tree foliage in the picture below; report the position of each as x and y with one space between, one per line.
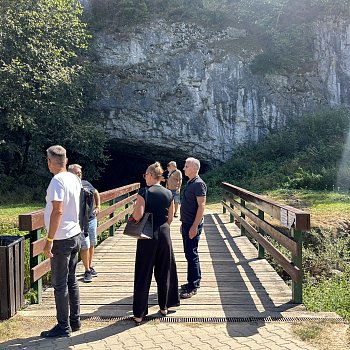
44 90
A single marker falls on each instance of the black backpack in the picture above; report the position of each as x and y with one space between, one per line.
86 208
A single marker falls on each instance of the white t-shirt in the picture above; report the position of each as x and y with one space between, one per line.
64 187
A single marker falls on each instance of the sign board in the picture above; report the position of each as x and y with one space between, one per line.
284 217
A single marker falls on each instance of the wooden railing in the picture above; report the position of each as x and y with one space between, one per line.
34 223
241 205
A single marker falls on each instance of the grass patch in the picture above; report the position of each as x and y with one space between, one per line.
327 209
324 336
9 217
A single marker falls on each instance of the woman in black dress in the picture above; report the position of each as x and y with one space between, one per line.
155 253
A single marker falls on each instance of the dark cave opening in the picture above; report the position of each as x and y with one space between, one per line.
129 162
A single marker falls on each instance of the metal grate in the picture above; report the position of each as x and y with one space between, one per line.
210 319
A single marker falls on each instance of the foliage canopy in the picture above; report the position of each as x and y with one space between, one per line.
45 79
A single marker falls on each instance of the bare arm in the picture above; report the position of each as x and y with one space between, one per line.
199 215
171 213
55 219
139 208
97 200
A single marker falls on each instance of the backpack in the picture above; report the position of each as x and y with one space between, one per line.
86 208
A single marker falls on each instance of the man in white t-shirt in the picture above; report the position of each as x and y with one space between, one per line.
63 242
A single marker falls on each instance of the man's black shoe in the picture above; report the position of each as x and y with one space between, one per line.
184 286
188 293
55 332
75 326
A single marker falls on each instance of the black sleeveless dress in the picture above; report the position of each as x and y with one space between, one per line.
157 254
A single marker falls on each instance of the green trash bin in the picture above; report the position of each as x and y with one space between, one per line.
11 275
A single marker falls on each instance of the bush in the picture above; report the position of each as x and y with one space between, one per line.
332 295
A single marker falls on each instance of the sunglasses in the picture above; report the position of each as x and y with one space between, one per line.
144 175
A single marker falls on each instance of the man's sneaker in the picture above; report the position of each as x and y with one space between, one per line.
188 293
75 326
55 332
93 272
184 286
87 276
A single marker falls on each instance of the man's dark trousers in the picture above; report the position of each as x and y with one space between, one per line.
192 257
66 288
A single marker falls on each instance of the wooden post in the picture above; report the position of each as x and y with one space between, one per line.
261 249
232 218
243 217
111 215
297 287
126 207
37 285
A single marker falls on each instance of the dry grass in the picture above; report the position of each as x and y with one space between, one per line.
324 336
23 327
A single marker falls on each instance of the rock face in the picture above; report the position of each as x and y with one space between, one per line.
181 87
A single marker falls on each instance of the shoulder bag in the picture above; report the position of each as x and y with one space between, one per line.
142 229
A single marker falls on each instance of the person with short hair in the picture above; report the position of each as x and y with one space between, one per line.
88 243
157 253
63 242
191 216
174 183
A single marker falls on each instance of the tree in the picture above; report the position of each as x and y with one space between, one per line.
45 79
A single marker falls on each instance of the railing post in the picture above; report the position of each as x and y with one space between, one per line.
34 261
126 207
111 215
243 217
224 200
297 287
261 249
232 218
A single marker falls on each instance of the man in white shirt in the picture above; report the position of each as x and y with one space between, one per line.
63 242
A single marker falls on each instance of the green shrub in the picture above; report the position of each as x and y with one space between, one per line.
332 295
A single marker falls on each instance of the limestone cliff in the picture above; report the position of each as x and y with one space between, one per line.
179 86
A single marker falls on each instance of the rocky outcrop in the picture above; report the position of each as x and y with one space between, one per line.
332 54
179 86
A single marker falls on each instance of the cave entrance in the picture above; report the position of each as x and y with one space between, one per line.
128 162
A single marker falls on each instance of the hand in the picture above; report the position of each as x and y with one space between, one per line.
97 210
193 232
47 249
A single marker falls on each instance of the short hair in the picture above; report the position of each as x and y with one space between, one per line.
155 170
195 162
57 154
72 166
172 163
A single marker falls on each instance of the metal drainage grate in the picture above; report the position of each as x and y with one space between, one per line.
210 319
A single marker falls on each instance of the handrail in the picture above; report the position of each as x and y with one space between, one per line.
34 223
240 203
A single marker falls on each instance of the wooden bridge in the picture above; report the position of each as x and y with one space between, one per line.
237 281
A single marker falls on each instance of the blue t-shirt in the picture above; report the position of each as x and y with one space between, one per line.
189 205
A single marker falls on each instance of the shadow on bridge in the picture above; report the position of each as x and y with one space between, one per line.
248 288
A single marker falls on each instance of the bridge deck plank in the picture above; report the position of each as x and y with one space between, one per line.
234 282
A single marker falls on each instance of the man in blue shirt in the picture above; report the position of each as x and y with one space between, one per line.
191 216
88 244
